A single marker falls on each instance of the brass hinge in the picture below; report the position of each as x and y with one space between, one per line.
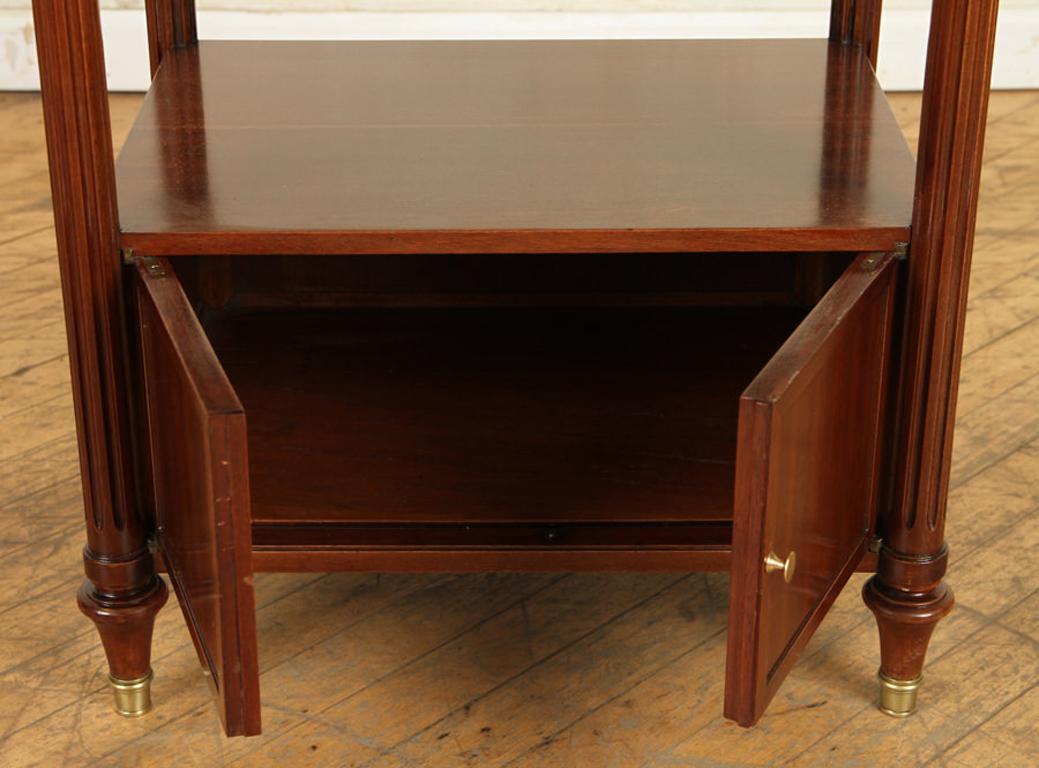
152 266
874 260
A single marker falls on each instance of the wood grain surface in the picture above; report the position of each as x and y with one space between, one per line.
199 468
527 670
469 146
795 465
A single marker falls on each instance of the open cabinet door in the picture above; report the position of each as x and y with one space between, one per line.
200 475
807 479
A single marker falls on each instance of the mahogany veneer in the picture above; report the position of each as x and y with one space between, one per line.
628 305
515 146
508 416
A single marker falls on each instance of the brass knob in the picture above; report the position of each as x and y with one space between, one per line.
788 566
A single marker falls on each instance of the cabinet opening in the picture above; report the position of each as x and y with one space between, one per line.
475 400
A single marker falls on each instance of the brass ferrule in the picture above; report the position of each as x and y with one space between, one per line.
132 697
898 697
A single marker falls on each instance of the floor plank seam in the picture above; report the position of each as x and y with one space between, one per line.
67 437
101 672
965 477
70 531
40 404
6 505
470 703
1029 271
932 660
21 371
315 716
975 728
25 235
89 630
652 673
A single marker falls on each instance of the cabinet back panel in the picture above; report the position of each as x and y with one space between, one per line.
494 415
661 279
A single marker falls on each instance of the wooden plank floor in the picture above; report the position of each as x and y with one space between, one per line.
490 670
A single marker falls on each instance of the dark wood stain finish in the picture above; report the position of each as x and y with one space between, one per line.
908 595
553 422
200 470
171 24
418 416
857 22
808 478
121 593
521 146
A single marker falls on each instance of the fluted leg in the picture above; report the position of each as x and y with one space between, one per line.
122 594
907 595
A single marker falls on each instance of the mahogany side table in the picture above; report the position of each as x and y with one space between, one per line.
675 305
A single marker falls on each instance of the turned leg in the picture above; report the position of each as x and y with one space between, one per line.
122 598
908 599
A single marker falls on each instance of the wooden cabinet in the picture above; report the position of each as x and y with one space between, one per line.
519 306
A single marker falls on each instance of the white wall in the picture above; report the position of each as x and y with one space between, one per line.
516 5
903 37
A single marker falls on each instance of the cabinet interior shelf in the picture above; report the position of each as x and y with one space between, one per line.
514 147
494 428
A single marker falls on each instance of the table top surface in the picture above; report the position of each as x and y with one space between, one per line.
724 143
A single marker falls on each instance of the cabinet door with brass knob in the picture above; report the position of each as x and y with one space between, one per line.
808 476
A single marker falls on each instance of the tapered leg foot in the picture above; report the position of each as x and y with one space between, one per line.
908 599
124 615
133 698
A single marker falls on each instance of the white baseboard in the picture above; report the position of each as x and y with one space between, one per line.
903 38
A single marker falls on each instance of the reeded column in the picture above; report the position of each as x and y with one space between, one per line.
907 595
122 594
171 24
857 22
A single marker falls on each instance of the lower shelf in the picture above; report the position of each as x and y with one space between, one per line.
500 547
367 427
699 558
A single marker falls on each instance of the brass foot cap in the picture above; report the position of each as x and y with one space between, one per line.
898 697
132 697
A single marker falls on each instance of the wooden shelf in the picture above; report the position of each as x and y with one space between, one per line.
524 417
522 146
